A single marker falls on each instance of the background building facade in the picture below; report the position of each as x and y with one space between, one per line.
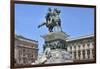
82 48
26 50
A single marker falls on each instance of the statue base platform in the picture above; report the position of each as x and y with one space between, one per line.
55 49
59 56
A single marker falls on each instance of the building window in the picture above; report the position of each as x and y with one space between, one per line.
83 54
88 53
71 48
83 45
23 54
67 49
92 43
79 53
93 52
24 61
70 52
74 47
79 46
74 55
88 44
20 60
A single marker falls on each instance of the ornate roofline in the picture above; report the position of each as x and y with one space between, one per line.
25 39
81 37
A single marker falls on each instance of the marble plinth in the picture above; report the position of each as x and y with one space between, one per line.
55 49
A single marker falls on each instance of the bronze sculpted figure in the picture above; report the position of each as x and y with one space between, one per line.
52 20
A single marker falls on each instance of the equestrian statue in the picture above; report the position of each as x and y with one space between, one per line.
52 20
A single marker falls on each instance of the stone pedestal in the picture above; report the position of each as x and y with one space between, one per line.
55 48
59 56
55 40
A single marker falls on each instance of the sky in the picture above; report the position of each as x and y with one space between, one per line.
75 21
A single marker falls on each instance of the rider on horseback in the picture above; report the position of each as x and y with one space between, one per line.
52 20
49 16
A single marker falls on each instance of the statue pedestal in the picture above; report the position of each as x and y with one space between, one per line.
59 56
58 53
55 49
55 40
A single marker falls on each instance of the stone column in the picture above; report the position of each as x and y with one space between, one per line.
68 49
73 55
91 54
81 56
81 51
77 57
